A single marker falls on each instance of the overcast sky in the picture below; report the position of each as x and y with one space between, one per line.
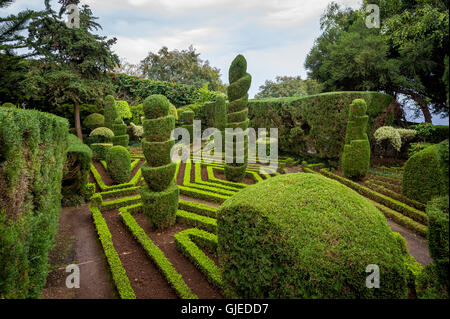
274 35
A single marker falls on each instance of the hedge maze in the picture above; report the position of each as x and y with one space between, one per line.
202 187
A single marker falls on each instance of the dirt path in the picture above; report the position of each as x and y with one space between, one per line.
418 246
77 243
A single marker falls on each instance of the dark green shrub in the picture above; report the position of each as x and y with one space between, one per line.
99 150
434 283
160 195
94 121
356 155
314 126
120 133
118 161
32 155
156 106
426 173
76 171
159 129
187 117
110 111
306 236
240 82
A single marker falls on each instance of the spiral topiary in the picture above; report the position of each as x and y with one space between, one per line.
110 111
356 156
237 116
120 133
160 195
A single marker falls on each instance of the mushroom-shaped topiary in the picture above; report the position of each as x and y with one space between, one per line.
237 116
306 236
94 121
356 156
160 195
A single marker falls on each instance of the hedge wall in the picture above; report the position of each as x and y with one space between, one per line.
32 155
313 126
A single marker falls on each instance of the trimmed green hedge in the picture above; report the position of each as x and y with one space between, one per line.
99 150
356 155
292 235
426 173
161 207
159 129
313 126
32 154
110 111
158 178
93 121
118 163
76 169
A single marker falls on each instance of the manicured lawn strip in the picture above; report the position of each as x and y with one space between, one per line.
119 275
120 192
136 178
187 247
125 201
204 195
395 195
402 220
386 175
192 219
197 208
411 212
158 257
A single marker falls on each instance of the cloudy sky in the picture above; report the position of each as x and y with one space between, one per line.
274 35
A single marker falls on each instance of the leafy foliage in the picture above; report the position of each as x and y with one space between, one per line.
286 86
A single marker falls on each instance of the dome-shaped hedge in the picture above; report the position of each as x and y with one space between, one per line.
104 132
306 236
94 121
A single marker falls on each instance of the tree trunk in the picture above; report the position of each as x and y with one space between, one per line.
421 101
77 121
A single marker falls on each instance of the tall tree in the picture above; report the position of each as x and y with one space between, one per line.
183 66
405 56
285 86
73 62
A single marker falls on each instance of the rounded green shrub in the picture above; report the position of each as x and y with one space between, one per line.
356 155
103 134
110 111
306 236
425 173
118 162
9 105
99 150
156 106
94 121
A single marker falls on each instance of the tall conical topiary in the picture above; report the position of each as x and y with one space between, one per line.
110 112
237 116
356 156
120 133
160 195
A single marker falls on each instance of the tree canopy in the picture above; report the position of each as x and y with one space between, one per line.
183 67
395 59
285 86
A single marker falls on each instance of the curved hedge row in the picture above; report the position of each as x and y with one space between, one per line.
313 126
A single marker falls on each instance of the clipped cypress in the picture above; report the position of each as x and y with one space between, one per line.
187 117
237 116
160 195
110 111
356 156
120 133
